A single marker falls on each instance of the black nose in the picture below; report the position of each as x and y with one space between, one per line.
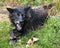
21 23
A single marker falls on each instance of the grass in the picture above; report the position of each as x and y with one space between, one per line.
48 34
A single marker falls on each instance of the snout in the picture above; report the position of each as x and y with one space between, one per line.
18 25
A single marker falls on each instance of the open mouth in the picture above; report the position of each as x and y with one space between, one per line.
18 27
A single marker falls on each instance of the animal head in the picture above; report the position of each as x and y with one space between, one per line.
18 15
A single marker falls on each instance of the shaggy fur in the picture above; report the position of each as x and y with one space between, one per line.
24 18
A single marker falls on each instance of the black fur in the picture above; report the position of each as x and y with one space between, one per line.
24 18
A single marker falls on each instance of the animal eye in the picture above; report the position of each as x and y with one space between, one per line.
18 14
22 14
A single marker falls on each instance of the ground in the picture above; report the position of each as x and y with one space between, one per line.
48 34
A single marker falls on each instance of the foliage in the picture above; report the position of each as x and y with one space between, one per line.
33 3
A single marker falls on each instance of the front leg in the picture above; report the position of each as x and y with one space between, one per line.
13 38
12 33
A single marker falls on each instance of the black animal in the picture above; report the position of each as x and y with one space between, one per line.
26 17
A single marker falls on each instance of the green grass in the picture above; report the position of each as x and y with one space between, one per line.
48 34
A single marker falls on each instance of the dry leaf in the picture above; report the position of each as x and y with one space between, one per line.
31 40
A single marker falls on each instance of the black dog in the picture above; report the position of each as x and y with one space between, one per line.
24 18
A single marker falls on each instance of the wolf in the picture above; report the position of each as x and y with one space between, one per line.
25 18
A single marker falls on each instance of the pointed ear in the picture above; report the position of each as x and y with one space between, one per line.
45 6
51 5
27 8
10 10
